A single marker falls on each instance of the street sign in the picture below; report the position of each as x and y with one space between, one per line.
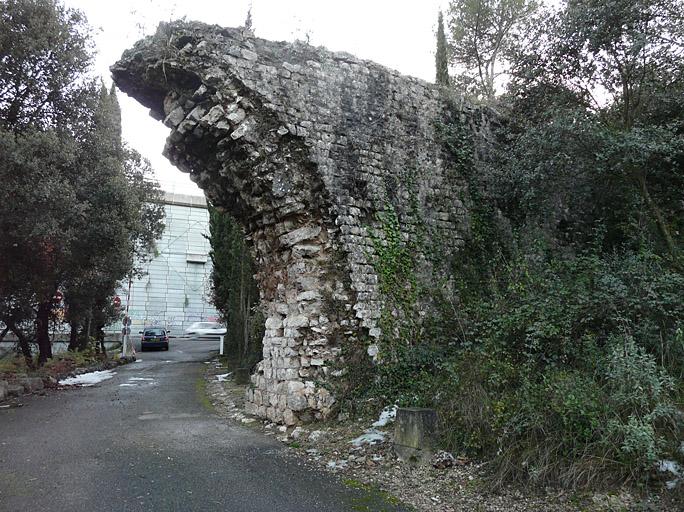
125 330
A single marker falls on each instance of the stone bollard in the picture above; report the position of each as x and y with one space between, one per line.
15 390
415 434
241 376
31 384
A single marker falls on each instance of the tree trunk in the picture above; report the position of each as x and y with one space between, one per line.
73 336
659 218
241 304
82 340
85 336
23 342
43 332
248 321
101 340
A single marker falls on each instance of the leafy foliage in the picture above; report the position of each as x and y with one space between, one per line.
482 36
78 208
559 357
45 53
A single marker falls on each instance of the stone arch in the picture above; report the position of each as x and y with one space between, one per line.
303 147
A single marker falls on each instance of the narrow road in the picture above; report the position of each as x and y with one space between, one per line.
145 441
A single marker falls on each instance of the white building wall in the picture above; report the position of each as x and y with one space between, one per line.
175 291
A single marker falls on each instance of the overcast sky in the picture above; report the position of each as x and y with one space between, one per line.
396 33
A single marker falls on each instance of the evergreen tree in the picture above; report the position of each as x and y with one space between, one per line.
76 207
248 19
106 248
441 56
234 290
45 53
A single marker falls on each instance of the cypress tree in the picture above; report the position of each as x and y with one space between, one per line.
441 57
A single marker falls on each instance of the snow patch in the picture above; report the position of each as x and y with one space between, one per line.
88 379
386 416
128 385
371 436
672 467
337 464
223 377
141 379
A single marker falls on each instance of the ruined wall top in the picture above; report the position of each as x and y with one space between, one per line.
348 112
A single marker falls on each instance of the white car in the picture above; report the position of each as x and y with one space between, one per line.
205 329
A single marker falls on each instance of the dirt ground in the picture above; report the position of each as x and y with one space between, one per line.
461 486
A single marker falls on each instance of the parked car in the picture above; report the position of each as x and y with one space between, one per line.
154 337
205 329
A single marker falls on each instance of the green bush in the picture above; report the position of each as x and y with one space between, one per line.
562 372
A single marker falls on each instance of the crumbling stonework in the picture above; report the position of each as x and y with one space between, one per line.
304 147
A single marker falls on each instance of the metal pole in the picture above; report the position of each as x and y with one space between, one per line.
127 323
221 342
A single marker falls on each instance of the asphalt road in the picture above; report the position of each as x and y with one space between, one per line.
145 441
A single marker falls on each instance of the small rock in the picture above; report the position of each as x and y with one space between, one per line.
297 433
316 436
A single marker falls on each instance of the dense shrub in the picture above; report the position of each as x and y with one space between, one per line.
563 370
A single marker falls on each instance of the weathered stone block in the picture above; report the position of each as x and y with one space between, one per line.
299 235
31 384
297 402
415 434
15 390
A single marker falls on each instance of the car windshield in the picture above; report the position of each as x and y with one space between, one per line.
154 332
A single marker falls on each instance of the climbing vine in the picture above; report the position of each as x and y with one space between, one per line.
394 263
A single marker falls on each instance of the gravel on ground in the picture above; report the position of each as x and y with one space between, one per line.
450 484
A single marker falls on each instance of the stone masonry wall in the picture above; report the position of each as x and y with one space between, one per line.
304 147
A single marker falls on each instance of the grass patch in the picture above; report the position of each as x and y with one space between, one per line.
202 394
13 364
372 499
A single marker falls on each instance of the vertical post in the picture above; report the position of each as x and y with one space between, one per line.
127 327
222 340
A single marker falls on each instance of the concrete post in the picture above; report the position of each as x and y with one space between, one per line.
415 434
